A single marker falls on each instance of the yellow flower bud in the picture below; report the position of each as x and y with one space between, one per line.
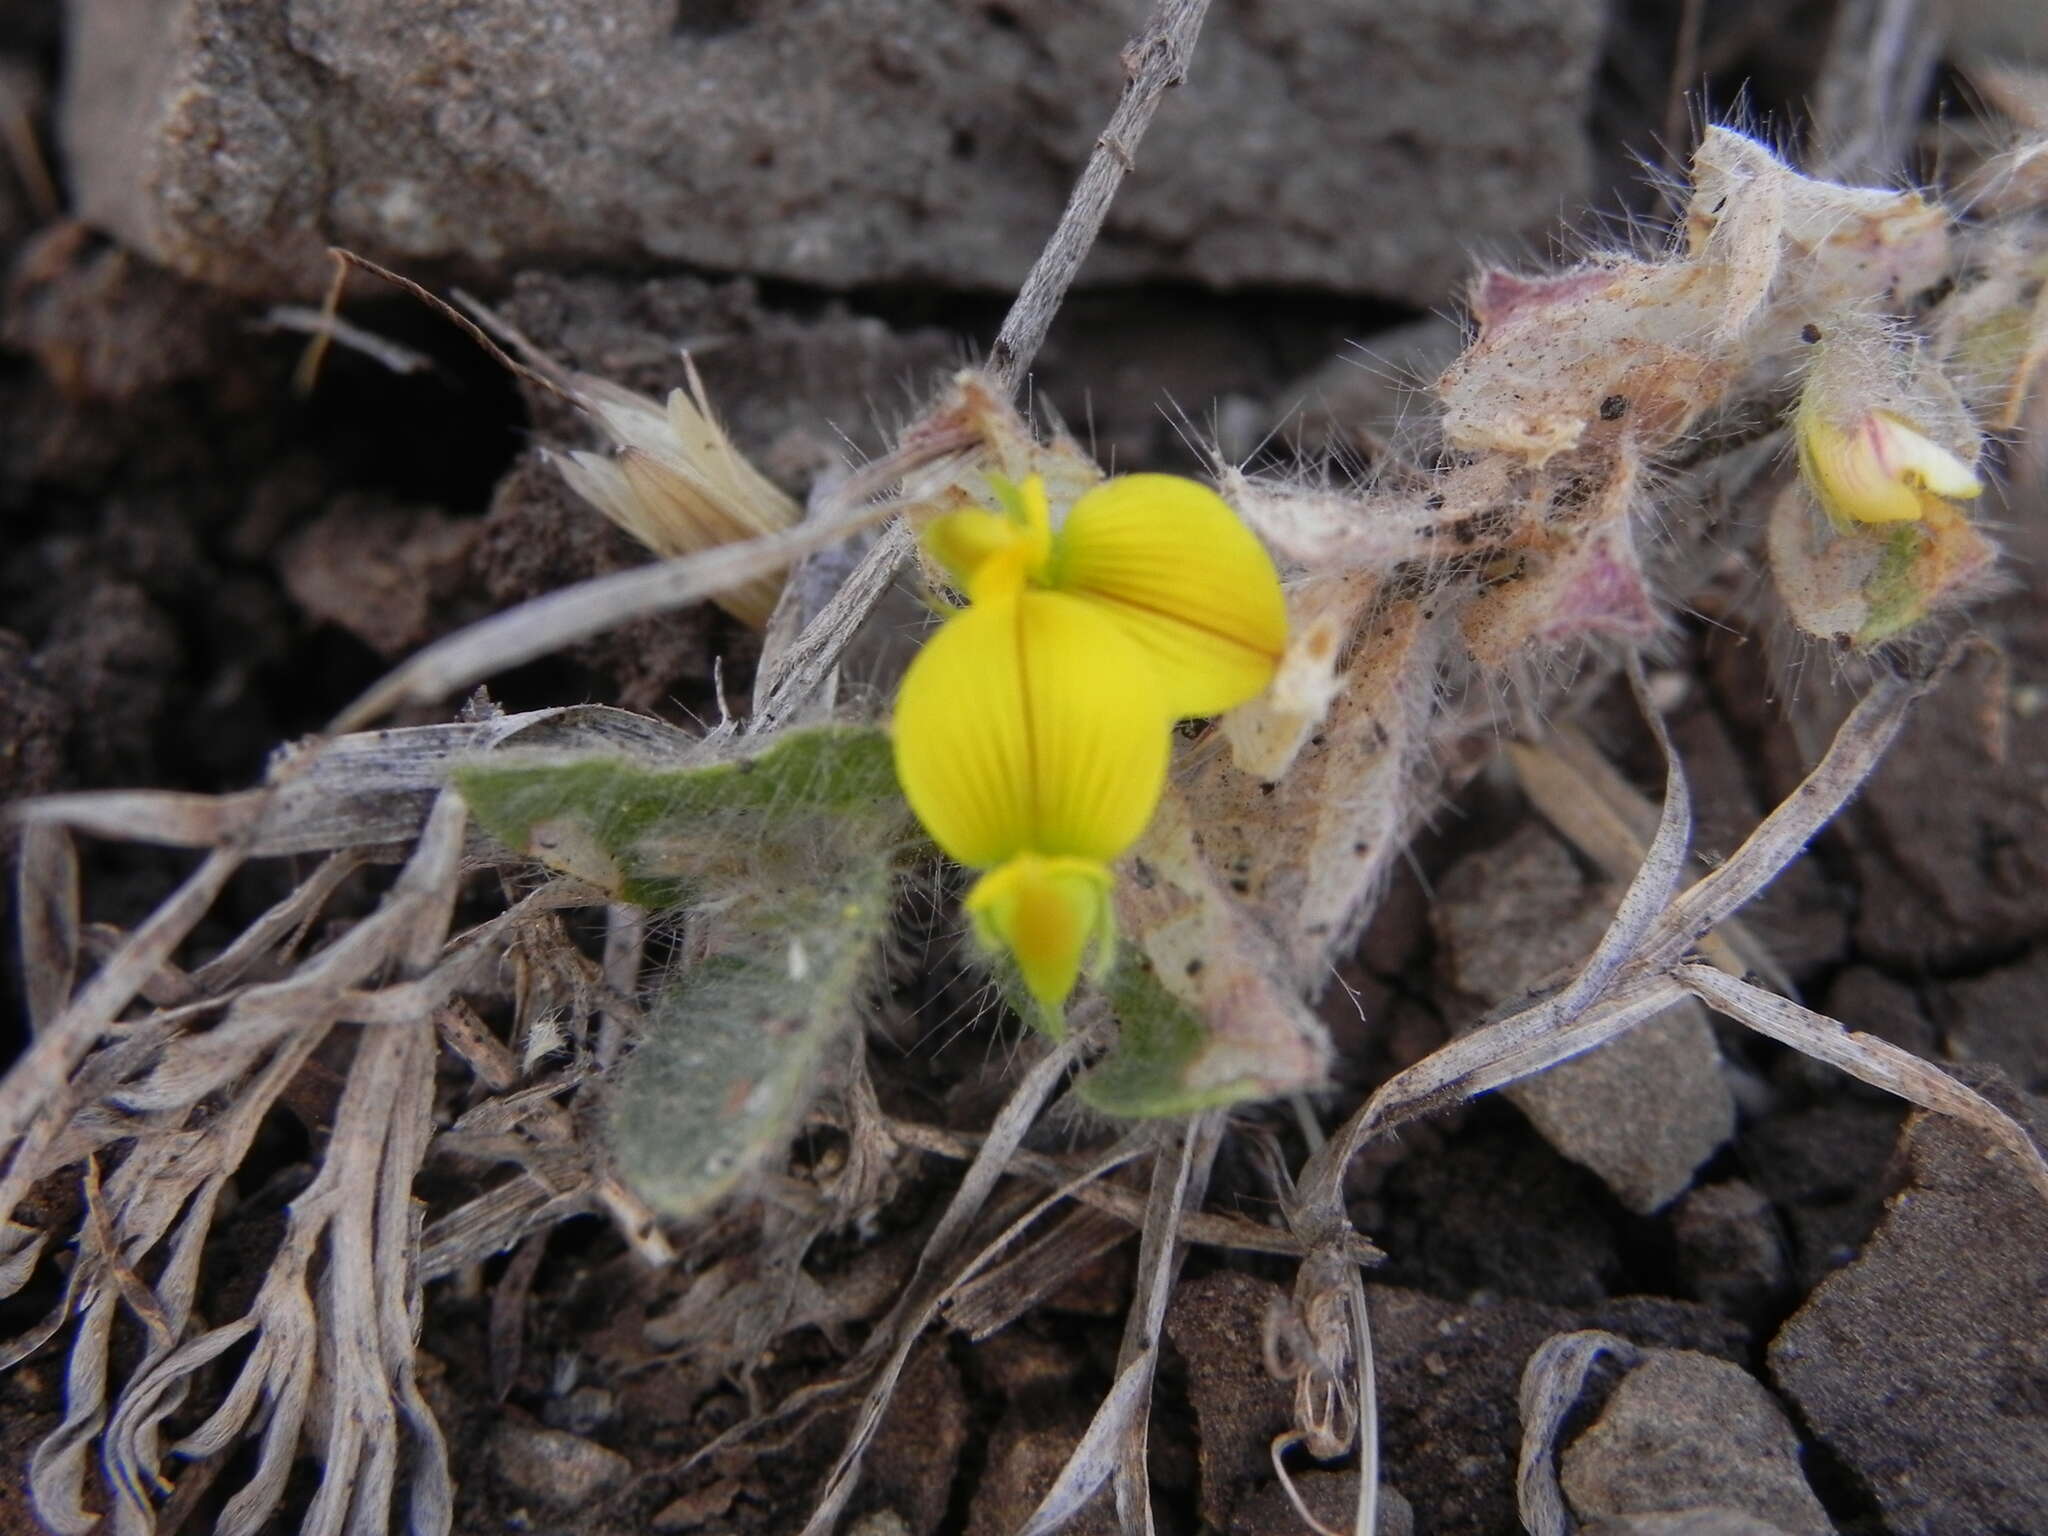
993 554
1029 731
1879 468
1162 556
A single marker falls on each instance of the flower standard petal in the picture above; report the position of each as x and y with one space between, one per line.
1031 724
1186 580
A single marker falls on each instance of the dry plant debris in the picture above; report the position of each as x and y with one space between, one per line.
1587 457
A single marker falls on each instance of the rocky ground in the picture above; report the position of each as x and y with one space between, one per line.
1840 1308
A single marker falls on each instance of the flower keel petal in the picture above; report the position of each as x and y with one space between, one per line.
1053 917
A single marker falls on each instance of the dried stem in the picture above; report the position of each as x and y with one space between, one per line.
1154 62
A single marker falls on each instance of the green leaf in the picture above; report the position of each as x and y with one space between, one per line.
733 1045
659 835
1893 592
785 861
1155 1068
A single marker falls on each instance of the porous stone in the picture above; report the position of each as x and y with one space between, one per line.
1216 1323
1923 1365
1642 1111
1025 1453
836 142
1686 1434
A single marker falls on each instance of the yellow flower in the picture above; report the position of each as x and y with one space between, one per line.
1881 469
1031 742
1162 556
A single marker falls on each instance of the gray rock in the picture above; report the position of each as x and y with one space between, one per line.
1686 1434
553 1467
1824 1169
1950 857
1924 1364
1449 1375
1642 1111
837 142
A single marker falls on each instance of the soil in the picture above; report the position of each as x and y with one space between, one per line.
201 563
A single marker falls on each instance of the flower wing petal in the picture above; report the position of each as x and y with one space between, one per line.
962 745
1187 581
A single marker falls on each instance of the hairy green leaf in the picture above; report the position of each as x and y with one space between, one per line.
660 836
1156 1067
734 1043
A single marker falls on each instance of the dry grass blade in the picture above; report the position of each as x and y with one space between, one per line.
1858 746
1643 964
1095 1459
798 671
897 1333
1210 1227
1576 1018
1508 1050
286 919
1331 1414
1113 1446
1579 792
1630 976
992 1301
1154 62
34 1095
1160 1251
167 818
1551 1383
1880 61
1874 1061
358 1201
1366 1516
568 614
358 791
46 896
845 1474
169 1185
414 912
328 329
